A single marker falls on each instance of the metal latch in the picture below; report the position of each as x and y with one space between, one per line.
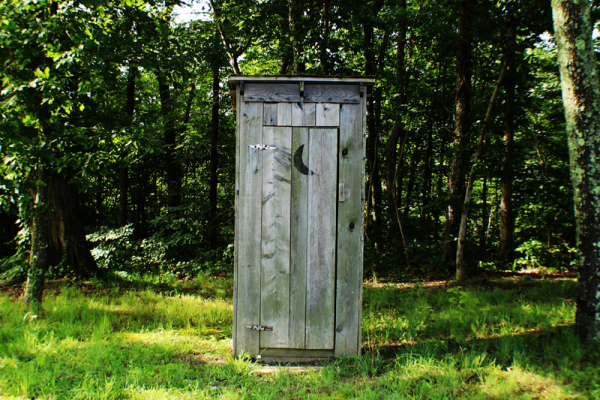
259 327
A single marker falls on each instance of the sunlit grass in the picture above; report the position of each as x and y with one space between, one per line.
156 338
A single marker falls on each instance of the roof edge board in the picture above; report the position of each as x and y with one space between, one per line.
306 79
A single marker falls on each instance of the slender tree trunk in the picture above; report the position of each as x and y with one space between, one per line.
461 127
374 180
490 219
38 260
507 222
325 40
232 53
214 163
170 141
483 212
414 163
440 183
462 234
295 15
427 173
581 98
123 167
123 193
100 201
398 128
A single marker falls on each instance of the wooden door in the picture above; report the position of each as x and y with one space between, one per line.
298 237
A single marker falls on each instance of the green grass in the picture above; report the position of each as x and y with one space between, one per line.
156 338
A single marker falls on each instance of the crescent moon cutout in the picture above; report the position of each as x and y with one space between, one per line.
299 164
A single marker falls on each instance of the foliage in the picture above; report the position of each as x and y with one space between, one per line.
143 338
537 255
116 251
99 109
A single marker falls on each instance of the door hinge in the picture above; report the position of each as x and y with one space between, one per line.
259 327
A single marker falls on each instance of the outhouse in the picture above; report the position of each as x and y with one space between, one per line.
299 197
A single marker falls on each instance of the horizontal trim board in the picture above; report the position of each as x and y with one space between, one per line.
299 353
272 92
320 93
288 79
289 361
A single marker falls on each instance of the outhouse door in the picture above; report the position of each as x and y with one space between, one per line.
298 228
299 196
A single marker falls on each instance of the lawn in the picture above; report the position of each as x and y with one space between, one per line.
148 338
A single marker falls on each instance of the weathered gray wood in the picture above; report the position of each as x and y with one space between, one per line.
276 199
236 217
319 93
291 360
328 114
272 92
270 118
249 228
284 114
303 114
265 352
322 191
289 79
299 242
362 218
349 255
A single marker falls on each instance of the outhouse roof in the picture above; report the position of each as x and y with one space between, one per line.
301 78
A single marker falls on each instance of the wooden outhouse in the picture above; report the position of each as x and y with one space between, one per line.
299 215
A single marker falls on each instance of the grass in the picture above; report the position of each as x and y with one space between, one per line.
155 338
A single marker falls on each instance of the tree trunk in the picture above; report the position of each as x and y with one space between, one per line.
38 260
295 14
374 190
170 140
123 167
483 213
414 162
398 128
100 201
581 98
214 164
67 235
427 170
436 218
123 193
325 40
507 222
462 233
461 127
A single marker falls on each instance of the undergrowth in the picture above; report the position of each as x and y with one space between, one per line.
159 338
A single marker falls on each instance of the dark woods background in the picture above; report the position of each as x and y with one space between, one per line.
116 117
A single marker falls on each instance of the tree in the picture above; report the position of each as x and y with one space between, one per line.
462 125
581 98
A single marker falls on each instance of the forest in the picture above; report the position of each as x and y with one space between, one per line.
117 196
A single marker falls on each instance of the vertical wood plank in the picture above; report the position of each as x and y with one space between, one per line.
328 114
303 114
297 114
299 242
284 114
275 261
362 218
236 217
249 228
349 240
270 118
322 191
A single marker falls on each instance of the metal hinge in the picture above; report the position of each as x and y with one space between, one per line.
259 327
